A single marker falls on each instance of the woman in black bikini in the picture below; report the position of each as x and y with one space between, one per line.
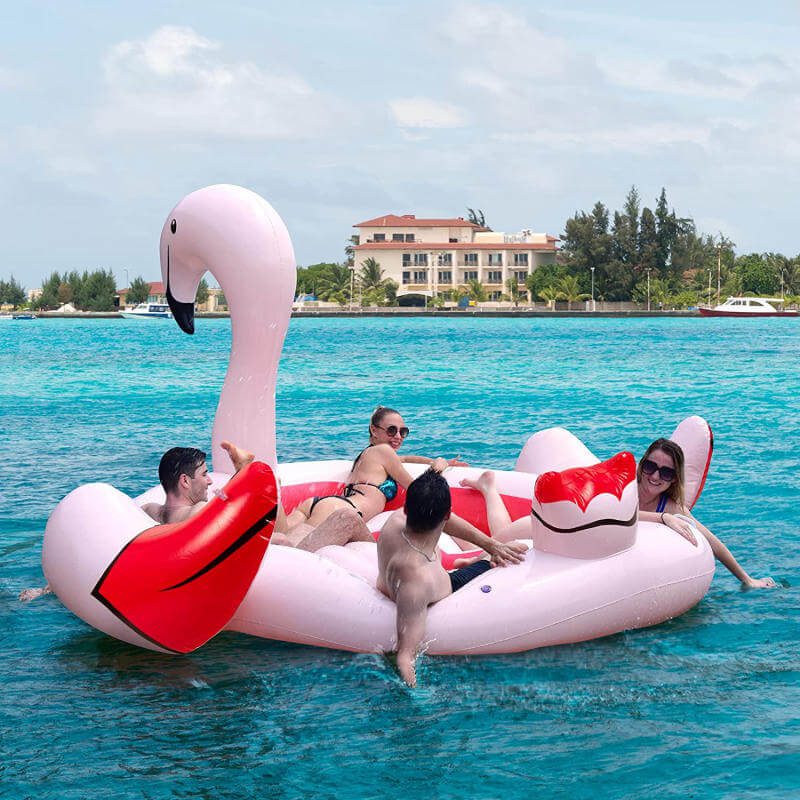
376 473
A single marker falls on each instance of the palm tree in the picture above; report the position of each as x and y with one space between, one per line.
476 217
570 291
333 284
349 250
550 294
514 293
476 291
371 275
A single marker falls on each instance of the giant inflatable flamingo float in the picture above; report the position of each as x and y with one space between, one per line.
593 569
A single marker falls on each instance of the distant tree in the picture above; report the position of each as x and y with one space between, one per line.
334 284
308 278
222 301
514 293
543 276
349 250
683 299
371 280
648 241
570 291
391 292
65 294
201 295
99 288
477 291
659 292
758 275
550 294
12 293
48 299
476 217
138 291
77 283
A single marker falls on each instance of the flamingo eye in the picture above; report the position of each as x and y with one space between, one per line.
173 226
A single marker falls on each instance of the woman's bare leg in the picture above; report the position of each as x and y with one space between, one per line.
496 511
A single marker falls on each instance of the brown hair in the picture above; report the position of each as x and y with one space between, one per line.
674 451
377 417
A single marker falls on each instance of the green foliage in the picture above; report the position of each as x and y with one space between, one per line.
91 291
759 274
544 276
202 292
476 291
683 299
659 292
514 293
11 293
138 291
550 294
334 283
309 278
570 291
476 217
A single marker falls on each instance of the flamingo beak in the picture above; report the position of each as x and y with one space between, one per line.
182 312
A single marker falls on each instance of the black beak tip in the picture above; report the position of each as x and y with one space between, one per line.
182 312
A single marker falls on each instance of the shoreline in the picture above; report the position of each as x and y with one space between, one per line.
402 312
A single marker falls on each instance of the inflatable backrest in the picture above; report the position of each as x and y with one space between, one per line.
587 512
554 449
697 442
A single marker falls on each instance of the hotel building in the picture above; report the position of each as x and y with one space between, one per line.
429 256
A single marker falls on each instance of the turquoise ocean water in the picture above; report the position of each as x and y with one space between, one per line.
705 706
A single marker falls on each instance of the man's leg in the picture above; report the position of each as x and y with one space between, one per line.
339 528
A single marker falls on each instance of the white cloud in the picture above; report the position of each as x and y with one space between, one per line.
177 82
422 112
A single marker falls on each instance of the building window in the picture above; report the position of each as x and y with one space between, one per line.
420 276
444 260
410 238
471 259
381 237
406 277
495 259
494 295
420 259
445 276
398 237
470 274
407 263
520 275
520 259
454 241
494 276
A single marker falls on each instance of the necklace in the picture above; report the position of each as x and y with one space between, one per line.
414 547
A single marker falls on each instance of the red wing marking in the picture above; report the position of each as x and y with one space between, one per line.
580 485
178 585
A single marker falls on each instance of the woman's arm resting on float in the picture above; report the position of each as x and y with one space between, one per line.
671 521
725 557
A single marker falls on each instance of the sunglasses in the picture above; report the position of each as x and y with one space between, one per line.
665 473
393 430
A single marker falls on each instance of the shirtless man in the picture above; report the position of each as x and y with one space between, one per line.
409 569
183 473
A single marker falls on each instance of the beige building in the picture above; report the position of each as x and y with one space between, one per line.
429 256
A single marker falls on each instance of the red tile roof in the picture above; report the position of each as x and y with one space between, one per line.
548 247
410 221
156 287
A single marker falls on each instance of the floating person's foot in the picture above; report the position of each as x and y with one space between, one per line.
483 484
239 458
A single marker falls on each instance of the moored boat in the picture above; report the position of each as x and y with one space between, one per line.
148 311
748 307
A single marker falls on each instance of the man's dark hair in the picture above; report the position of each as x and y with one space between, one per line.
176 462
427 502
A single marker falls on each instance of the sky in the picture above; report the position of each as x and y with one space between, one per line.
339 112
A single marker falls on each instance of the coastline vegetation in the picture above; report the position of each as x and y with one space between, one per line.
652 257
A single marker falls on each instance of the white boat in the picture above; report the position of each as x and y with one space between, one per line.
148 311
748 307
